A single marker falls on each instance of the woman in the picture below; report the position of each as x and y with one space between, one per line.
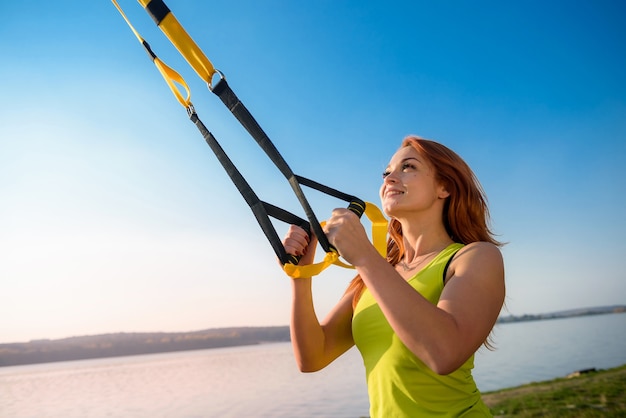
418 317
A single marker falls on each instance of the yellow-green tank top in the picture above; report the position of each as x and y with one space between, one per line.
400 384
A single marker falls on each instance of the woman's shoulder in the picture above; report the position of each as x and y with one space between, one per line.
477 255
480 247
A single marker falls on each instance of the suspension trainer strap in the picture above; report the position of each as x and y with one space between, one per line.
173 30
262 210
232 102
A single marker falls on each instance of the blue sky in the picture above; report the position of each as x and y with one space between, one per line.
115 215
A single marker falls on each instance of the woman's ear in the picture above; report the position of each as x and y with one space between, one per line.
442 192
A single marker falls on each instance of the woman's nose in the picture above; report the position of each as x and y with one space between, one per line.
390 178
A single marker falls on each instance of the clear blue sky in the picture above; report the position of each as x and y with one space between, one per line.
115 215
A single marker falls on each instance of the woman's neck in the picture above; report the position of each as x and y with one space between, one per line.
425 240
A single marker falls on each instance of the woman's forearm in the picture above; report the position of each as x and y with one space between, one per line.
307 335
316 344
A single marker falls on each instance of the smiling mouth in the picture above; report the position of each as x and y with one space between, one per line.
394 193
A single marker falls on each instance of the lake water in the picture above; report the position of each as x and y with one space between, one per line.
262 380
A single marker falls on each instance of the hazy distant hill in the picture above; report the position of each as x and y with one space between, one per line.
565 314
127 344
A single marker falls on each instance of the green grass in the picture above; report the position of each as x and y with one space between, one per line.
595 394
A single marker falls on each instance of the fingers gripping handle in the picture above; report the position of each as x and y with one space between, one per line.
295 259
357 206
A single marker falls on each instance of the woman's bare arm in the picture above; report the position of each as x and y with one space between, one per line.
315 344
445 335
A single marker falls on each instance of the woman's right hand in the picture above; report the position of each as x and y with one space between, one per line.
297 242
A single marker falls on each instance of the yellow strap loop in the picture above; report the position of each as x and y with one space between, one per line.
310 270
379 240
170 76
379 228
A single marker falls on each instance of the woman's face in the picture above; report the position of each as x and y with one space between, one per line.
409 184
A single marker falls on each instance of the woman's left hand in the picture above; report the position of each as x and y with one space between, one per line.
347 234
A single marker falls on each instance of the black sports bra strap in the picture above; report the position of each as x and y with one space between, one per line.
445 269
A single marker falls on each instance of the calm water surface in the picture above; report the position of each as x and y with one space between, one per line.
542 350
262 381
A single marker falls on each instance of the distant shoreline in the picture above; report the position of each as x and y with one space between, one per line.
128 344
571 313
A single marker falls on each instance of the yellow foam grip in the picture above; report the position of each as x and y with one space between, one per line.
379 240
185 45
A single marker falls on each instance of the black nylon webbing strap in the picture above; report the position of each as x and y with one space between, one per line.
262 210
356 204
232 102
161 14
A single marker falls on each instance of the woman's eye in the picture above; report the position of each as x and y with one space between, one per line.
407 166
386 173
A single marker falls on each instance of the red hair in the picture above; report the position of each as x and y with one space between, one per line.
465 213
